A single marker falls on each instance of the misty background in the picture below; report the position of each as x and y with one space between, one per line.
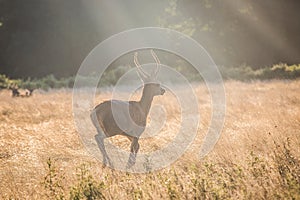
41 37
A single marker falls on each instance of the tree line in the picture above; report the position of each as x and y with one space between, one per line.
53 37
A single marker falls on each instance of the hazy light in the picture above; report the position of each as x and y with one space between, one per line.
259 23
108 21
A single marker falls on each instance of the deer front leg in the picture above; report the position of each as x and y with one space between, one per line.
134 148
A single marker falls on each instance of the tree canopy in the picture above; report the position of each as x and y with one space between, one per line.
54 36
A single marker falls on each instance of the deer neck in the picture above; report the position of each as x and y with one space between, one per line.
146 100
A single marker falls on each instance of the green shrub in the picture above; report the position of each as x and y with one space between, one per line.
6 82
86 187
111 76
245 73
3 81
288 167
53 182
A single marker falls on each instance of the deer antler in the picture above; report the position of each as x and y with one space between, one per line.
140 69
157 62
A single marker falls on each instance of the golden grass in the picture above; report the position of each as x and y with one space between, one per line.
258 114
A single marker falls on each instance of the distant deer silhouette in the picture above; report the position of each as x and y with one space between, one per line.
17 93
104 119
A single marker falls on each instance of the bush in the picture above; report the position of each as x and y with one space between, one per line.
6 82
245 73
53 182
111 76
86 186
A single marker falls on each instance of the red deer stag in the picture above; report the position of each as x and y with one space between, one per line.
131 115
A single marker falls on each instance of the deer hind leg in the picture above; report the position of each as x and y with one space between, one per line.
134 148
100 141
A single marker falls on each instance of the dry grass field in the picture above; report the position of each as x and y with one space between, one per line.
256 157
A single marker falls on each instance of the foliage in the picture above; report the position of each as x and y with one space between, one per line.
246 73
5 82
86 186
220 27
253 31
110 77
172 18
288 166
44 83
53 182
